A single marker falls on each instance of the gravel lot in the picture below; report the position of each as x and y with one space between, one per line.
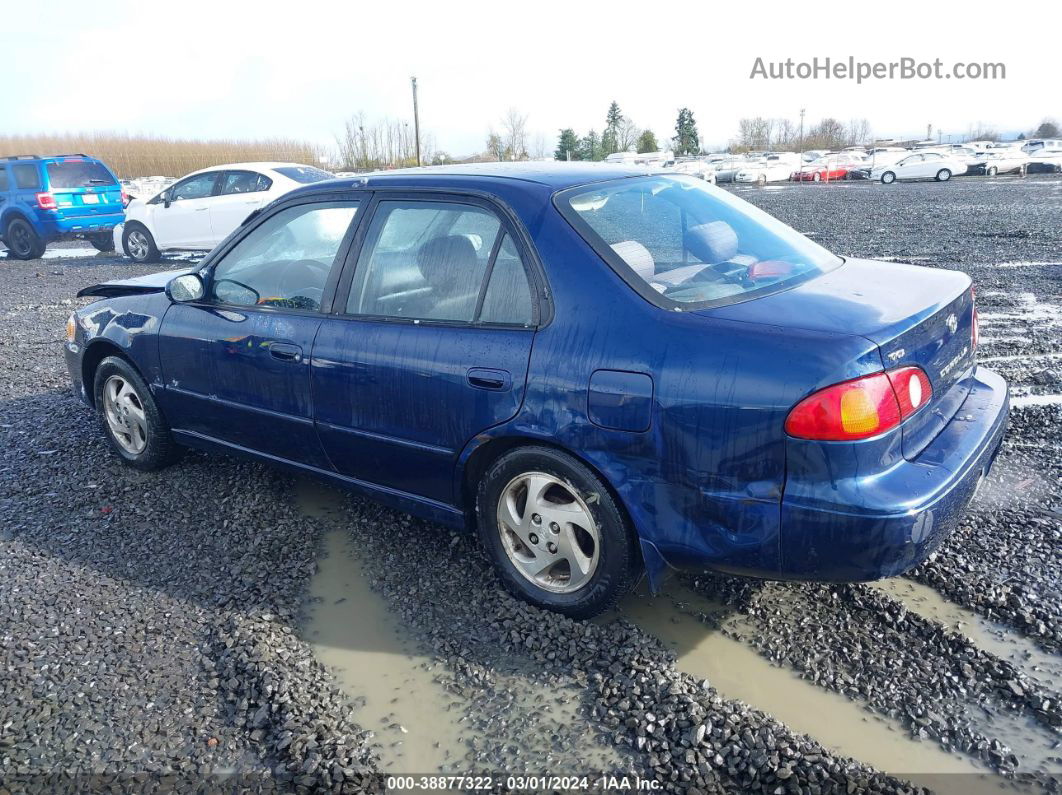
152 626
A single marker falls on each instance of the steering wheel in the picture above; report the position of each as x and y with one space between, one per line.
301 276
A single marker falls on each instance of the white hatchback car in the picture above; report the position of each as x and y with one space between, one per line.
920 165
200 210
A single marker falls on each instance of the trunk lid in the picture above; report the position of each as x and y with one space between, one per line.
916 316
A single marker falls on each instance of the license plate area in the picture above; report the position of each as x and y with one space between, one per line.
90 198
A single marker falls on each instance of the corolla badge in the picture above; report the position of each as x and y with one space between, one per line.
952 323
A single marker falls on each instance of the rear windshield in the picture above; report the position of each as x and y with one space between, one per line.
683 243
305 174
78 174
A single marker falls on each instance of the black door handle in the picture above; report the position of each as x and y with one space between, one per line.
496 380
285 352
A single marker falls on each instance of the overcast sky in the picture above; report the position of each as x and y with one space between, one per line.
221 69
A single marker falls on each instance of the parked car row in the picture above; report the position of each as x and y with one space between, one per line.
62 197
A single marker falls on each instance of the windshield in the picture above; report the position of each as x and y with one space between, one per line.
304 174
679 241
78 174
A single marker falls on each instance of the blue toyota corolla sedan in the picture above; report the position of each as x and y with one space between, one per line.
601 371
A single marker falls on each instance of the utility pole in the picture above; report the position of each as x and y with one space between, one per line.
416 118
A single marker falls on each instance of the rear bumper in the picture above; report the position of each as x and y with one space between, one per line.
54 227
866 527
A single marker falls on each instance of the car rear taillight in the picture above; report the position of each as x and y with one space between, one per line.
860 408
46 201
125 199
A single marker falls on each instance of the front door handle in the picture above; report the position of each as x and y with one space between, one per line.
495 380
285 352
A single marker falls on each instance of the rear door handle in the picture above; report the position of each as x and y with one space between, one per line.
285 352
495 380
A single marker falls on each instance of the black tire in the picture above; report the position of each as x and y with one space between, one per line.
160 449
147 252
103 241
991 171
817 177
618 562
22 239
943 175
888 178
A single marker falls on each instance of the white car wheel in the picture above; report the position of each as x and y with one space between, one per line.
888 178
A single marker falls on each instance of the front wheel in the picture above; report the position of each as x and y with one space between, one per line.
138 243
555 533
991 171
22 239
130 418
888 178
817 177
104 241
943 175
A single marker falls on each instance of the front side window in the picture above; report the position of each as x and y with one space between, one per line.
27 177
197 187
285 260
681 242
424 260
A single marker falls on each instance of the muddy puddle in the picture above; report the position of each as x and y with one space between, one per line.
989 636
423 721
738 672
394 687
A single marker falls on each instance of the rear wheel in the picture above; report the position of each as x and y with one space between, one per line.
22 239
131 419
888 178
104 241
943 175
138 243
762 179
556 535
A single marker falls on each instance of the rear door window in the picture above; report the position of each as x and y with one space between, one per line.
5 183
27 177
70 174
304 174
244 182
424 260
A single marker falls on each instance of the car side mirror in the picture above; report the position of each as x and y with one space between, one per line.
184 288
166 200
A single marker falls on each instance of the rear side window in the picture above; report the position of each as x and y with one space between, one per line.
424 260
508 296
5 183
244 182
78 174
27 177
304 174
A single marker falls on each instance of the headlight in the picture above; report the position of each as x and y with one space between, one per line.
71 328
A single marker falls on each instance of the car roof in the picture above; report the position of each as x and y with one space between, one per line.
487 176
265 165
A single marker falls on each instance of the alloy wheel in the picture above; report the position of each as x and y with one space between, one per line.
125 415
138 244
548 533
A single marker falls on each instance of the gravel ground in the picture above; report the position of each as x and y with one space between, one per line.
149 624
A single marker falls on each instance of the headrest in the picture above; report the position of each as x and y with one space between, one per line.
441 257
713 242
637 257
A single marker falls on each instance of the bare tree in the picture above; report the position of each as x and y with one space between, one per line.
514 134
859 132
495 145
627 135
540 150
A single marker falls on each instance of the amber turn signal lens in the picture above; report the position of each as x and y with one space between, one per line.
71 328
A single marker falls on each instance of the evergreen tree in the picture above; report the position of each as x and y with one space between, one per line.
567 146
590 147
647 142
686 140
610 137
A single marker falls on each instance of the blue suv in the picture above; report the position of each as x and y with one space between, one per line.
54 198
